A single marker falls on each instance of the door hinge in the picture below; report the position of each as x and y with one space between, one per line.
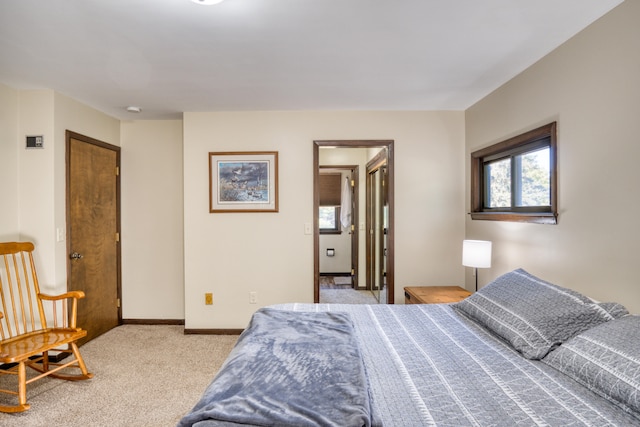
353 271
353 227
118 302
117 237
353 182
117 170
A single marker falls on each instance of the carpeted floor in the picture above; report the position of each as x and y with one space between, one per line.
338 290
145 376
335 282
346 296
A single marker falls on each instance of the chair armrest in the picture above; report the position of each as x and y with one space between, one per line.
70 294
62 299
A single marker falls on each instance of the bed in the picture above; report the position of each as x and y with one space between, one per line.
520 352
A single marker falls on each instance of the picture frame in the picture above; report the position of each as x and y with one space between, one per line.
243 181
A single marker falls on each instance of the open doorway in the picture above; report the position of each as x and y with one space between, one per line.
338 215
342 153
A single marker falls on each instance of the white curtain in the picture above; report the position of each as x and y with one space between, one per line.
345 204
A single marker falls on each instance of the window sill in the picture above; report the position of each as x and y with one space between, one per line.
330 232
534 218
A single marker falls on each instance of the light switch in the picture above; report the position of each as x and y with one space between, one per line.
308 229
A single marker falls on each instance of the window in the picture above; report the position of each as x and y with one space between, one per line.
330 194
515 180
329 219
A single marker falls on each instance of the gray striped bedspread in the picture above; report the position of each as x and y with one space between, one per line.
430 366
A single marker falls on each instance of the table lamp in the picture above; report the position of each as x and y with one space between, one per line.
476 254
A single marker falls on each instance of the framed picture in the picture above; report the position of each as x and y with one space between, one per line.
243 181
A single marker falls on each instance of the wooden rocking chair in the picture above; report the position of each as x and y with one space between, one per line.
26 338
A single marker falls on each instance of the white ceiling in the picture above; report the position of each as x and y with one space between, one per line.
172 56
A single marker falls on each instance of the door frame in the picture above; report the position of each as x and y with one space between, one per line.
69 135
388 144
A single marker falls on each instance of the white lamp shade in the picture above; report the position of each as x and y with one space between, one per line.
476 253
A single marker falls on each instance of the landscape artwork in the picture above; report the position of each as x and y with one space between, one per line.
243 182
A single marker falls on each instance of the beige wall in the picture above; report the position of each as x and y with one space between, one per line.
591 86
74 116
268 253
36 182
9 214
152 220
37 189
429 147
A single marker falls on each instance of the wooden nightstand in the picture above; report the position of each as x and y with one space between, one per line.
434 294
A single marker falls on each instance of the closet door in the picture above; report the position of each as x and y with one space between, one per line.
377 223
93 232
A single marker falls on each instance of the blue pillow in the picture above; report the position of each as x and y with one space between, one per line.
605 359
533 315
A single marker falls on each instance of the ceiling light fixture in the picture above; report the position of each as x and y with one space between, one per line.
133 109
207 2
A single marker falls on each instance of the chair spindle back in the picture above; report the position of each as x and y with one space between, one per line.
19 291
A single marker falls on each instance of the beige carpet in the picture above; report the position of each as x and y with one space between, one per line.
145 376
346 296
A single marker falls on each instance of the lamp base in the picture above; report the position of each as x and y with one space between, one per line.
476 274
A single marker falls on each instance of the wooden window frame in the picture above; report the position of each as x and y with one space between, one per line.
520 214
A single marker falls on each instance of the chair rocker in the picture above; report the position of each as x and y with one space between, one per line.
26 338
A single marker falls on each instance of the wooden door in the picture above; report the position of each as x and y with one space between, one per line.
93 231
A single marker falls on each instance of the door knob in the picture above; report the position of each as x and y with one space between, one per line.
76 255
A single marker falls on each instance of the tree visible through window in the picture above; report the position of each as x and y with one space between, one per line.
532 183
329 219
514 180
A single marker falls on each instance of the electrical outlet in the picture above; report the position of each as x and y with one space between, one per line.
208 299
253 297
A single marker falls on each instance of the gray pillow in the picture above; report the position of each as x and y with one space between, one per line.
606 359
533 315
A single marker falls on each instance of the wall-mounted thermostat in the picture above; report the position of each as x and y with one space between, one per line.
35 141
